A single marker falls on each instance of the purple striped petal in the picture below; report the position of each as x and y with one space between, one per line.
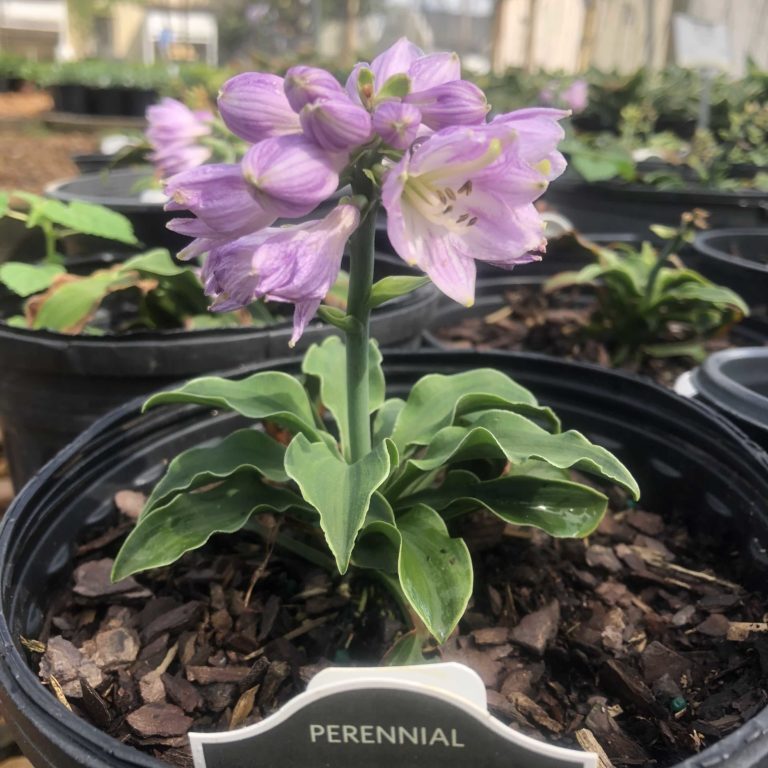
254 107
291 174
434 69
303 85
336 125
456 103
397 123
397 59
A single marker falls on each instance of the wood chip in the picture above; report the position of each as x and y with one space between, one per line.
115 647
181 692
208 675
589 743
715 625
739 631
66 663
599 556
243 708
159 720
536 630
93 579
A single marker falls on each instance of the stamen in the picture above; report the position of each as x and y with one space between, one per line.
472 221
466 187
451 194
448 209
443 198
462 218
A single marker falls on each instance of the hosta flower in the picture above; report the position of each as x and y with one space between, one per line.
305 85
254 107
173 132
397 123
466 194
220 198
336 125
576 96
296 264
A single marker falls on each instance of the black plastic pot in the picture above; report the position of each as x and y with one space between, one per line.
489 296
737 258
71 98
139 99
615 207
95 162
735 382
121 191
54 386
688 460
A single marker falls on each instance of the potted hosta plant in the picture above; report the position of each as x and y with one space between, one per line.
634 307
361 487
99 330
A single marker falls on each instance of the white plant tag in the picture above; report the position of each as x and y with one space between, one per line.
403 717
700 45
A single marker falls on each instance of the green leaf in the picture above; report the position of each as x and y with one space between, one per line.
384 421
378 543
396 87
432 402
559 507
5 200
340 492
334 317
78 216
328 361
602 164
72 303
407 651
26 279
157 262
496 434
716 295
197 467
16 321
435 570
190 519
271 395
693 349
542 415
391 287
662 231
586 276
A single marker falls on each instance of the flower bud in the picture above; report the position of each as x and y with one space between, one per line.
303 85
336 125
291 174
397 123
254 107
456 103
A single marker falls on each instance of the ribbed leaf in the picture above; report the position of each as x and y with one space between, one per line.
197 467
26 279
269 395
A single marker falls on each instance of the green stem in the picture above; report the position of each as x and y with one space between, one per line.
671 247
357 335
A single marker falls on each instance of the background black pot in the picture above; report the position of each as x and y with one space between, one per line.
737 258
735 382
71 98
490 296
121 191
610 206
687 459
54 386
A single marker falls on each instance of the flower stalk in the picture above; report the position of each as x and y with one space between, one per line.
358 331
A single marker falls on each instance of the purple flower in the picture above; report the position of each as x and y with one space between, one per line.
291 174
456 103
221 199
254 107
336 125
173 130
304 85
397 123
467 193
296 264
576 96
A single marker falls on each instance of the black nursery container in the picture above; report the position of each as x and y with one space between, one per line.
609 206
737 258
121 191
53 386
687 459
735 382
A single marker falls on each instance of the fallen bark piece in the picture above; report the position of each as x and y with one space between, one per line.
159 720
536 630
715 625
534 712
491 635
93 579
183 617
115 647
739 631
67 664
629 688
589 743
208 675
599 556
182 692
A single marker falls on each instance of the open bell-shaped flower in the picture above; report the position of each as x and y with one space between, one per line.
297 264
465 194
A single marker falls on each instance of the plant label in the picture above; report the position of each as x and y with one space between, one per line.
700 45
432 715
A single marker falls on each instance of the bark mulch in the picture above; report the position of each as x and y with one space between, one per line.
641 639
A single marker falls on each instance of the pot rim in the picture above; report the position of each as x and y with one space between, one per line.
703 245
22 678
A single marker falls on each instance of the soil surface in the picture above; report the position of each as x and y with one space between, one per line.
639 639
554 324
33 157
